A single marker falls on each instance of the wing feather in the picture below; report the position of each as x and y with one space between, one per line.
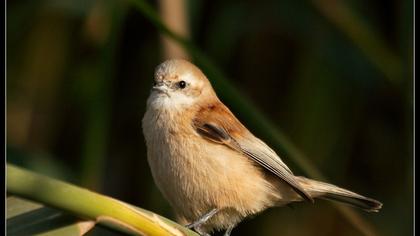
217 124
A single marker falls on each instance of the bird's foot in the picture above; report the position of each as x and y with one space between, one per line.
196 225
202 219
200 231
228 231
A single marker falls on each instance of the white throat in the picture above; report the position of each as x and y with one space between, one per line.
172 100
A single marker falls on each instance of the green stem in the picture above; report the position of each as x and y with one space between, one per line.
90 205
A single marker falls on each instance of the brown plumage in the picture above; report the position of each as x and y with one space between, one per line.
204 160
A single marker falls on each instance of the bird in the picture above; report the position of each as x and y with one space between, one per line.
210 168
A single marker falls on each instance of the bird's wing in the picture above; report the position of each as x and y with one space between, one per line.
216 123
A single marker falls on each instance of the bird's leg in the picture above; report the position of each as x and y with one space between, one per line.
203 219
229 230
200 231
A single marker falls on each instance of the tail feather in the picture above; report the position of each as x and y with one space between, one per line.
331 192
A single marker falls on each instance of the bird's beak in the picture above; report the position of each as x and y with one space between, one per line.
161 88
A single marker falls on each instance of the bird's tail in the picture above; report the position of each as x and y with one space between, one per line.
326 191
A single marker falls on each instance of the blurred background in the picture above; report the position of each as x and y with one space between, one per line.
327 83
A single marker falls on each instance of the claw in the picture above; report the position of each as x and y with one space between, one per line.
196 225
228 231
202 219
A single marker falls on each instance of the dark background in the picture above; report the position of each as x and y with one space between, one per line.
334 76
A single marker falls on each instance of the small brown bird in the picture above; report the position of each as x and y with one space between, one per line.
213 171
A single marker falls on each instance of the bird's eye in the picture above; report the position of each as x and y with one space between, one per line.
182 84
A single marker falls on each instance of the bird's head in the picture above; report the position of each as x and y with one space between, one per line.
178 83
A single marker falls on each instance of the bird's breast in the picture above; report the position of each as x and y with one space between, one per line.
196 175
